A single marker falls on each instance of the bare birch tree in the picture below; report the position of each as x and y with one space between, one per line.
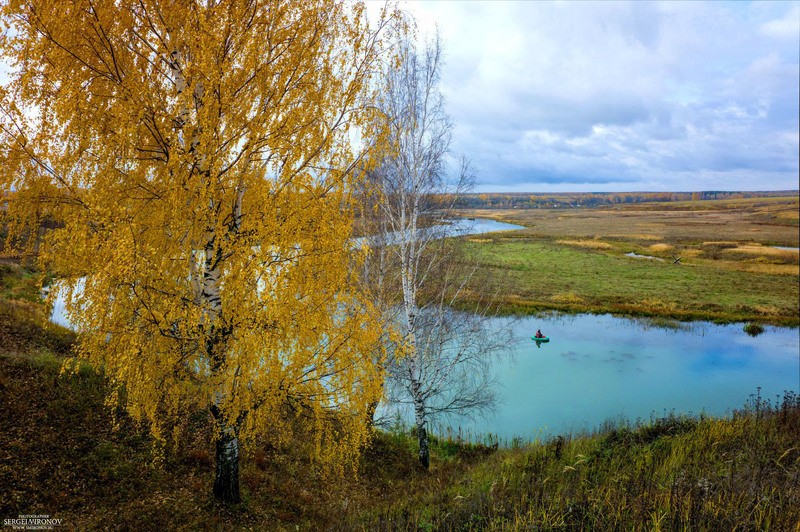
440 355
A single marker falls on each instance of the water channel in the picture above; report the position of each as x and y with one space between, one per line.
599 368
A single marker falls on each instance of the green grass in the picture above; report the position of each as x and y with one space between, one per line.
17 282
62 456
65 454
536 275
24 326
574 260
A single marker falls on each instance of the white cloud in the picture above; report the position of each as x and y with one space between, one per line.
621 95
786 27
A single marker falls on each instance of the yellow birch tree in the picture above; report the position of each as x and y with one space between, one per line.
198 156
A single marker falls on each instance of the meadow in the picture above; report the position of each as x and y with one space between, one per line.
716 260
65 454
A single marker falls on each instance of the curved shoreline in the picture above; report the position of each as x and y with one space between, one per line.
719 267
533 308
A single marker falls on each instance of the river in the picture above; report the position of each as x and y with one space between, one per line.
598 368
455 227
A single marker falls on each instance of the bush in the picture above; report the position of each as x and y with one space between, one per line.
753 329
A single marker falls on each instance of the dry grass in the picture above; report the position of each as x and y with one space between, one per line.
787 270
569 298
591 244
672 473
660 304
760 220
789 215
637 236
655 248
728 262
757 249
721 243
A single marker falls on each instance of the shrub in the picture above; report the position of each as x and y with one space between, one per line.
753 329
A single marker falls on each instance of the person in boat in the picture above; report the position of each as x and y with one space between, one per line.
539 333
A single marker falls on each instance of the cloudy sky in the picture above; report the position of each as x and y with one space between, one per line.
622 96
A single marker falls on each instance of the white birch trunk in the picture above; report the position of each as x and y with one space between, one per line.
209 283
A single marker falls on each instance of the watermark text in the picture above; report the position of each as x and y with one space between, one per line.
32 522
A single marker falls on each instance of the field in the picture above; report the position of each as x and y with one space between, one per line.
711 260
62 454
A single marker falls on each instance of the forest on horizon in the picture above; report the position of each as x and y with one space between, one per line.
556 200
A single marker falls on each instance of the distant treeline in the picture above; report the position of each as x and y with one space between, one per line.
560 200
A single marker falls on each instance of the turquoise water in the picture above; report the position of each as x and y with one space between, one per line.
598 368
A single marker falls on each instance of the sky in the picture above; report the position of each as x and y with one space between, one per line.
621 96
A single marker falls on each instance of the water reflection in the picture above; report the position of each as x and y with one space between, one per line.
597 368
454 227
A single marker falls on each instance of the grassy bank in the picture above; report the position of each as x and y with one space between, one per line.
62 457
719 262
62 454
24 327
674 473
536 275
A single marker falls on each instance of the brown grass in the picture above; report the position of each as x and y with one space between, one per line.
655 248
638 236
757 249
721 243
569 298
591 244
711 239
789 214
765 220
788 270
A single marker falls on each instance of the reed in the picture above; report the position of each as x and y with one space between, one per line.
672 472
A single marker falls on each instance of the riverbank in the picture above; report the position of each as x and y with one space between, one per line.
722 262
64 456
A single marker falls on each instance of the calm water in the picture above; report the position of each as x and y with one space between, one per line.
457 227
454 227
463 226
598 368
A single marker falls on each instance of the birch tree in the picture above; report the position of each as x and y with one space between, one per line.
440 360
198 157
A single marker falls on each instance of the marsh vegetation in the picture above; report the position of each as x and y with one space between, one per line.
66 455
667 473
722 261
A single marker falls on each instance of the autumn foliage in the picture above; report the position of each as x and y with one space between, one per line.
198 157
